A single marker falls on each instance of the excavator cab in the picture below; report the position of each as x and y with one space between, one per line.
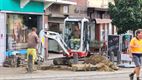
76 34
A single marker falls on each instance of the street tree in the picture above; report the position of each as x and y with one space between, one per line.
126 14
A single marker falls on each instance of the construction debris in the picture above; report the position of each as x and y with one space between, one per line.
93 63
55 67
83 67
101 63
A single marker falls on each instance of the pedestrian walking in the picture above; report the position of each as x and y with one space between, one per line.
135 51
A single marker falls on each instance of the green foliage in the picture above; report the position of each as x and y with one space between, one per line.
126 14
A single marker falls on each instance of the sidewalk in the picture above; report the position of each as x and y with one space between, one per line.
20 73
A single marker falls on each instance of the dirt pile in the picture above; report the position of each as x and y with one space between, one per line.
101 63
83 67
55 67
93 63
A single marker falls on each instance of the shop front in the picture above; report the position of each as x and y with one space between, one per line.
18 18
18 27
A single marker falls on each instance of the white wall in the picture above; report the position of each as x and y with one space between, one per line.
99 3
110 28
2 37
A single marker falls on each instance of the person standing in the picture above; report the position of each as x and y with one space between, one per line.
76 32
33 38
33 41
135 51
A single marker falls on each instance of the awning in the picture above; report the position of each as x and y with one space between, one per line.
100 21
23 3
47 3
66 2
98 9
56 20
50 2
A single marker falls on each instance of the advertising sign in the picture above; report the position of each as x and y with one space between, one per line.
113 43
125 41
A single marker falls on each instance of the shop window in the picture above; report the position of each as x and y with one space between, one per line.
54 27
18 27
65 9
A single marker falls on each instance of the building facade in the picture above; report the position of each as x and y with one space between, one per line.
98 10
55 15
17 17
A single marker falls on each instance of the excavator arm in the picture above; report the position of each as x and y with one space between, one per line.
56 36
67 51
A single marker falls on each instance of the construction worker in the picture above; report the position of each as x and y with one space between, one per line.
33 40
76 37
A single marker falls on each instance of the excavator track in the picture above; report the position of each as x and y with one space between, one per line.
63 61
68 61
